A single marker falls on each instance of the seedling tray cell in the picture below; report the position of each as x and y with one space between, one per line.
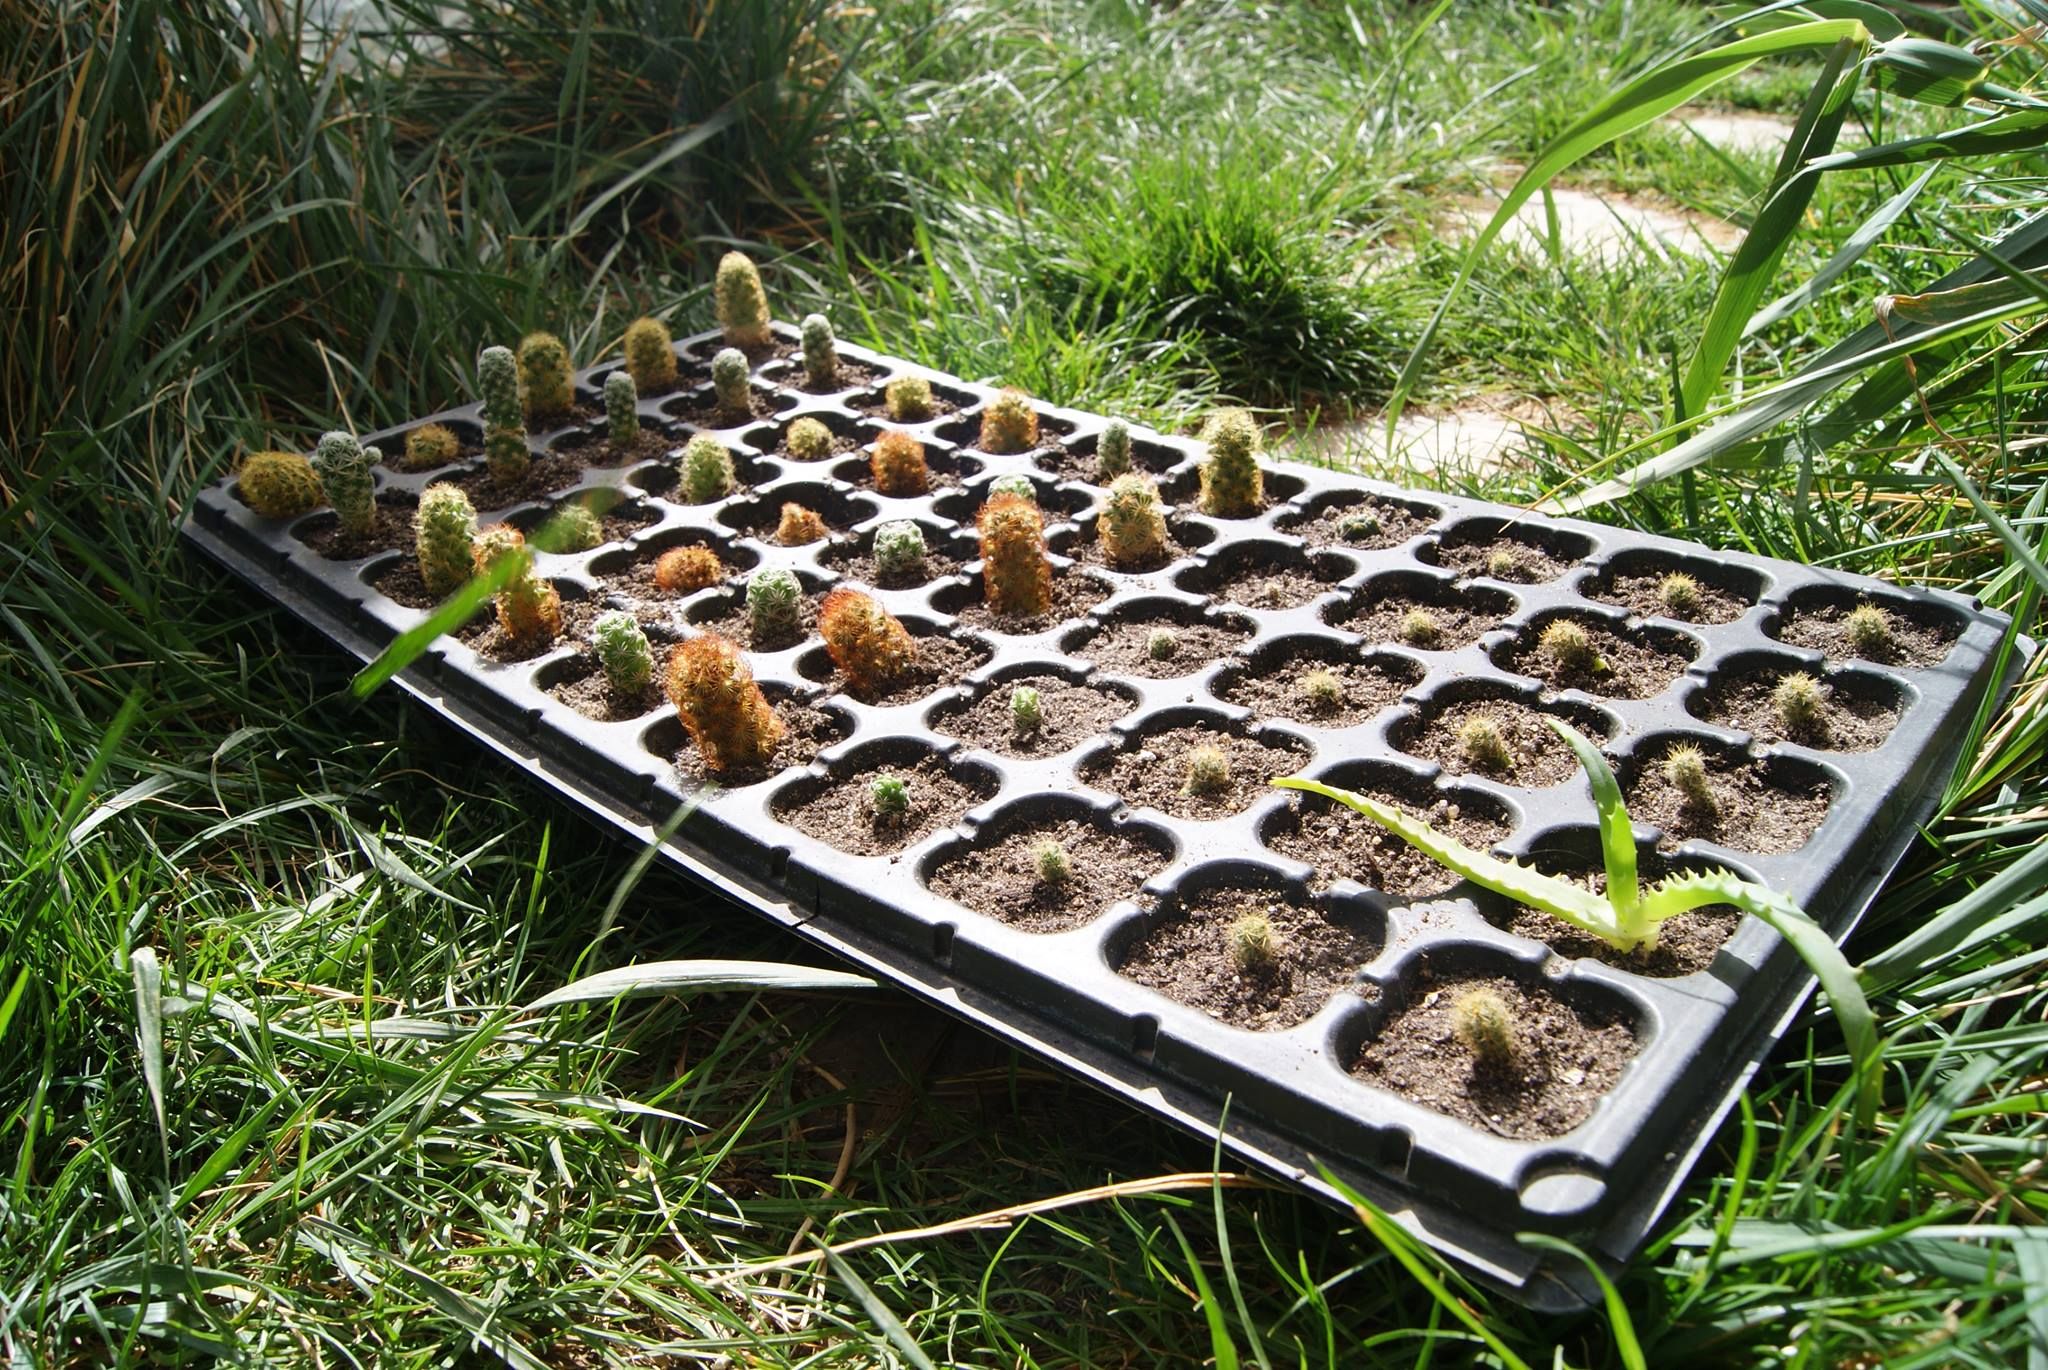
1300 1074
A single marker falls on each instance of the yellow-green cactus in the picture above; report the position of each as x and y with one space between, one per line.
1233 487
1113 450
279 485
546 386
1481 1022
808 440
742 303
1132 526
621 410
650 356
707 470
444 531
431 445
908 399
730 392
1009 424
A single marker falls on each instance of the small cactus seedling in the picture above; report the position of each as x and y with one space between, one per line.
545 382
898 465
1359 526
1323 691
742 303
1020 486
1027 711
681 570
650 356
343 465
1233 487
1483 745
431 445
1254 946
1679 593
444 531
621 409
1869 630
730 390
866 642
1132 526
908 399
720 706
1685 766
890 797
1501 564
798 526
1570 647
1015 574
575 527
1051 863
279 485
529 610
1162 644
1208 771
808 440
623 653
1009 424
707 470
1801 705
1484 1026
821 353
505 449
899 551
775 606
1113 451
1419 628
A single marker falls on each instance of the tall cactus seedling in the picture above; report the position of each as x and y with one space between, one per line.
721 706
821 353
1016 577
867 642
742 303
730 393
529 609
1132 526
505 449
343 465
444 530
545 379
623 653
1009 424
650 356
1233 487
621 411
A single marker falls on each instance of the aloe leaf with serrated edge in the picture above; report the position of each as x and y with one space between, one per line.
1617 838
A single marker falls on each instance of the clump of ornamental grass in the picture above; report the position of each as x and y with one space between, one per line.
908 399
808 440
898 465
430 445
1009 424
899 551
1419 628
1133 525
1685 767
681 570
1801 706
1679 593
741 302
1208 771
343 466
1322 690
623 653
1502 564
1570 648
1483 745
1482 1024
545 381
1232 484
650 356
1051 863
720 705
889 797
575 527
1113 451
505 449
775 606
707 470
1027 710
529 610
1869 630
797 525
1253 945
1162 644
279 485
444 536
821 353
1016 576
731 392
869 645
621 410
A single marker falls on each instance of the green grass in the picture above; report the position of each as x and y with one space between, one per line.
369 1154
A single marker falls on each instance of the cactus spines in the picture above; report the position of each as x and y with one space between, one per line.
1016 577
430 445
1801 705
1162 644
899 551
1483 1025
1113 450
1501 564
707 470
1869 630
621 409
1323 691
650 356
1419 628
1484 746
623 653
821 353
865 641
775 604
730 392
683 569
1567 643
898 465
808 440
742 303
1132 526
907 399
1027 711
1009 424
444 529
889 796
343 465
529 610
279 485
798 525
1685 767
1254 946
1208 771
1020 486
572 528
1679 593
505 450
547 389
720 706
1051 863
1232 485
1361 525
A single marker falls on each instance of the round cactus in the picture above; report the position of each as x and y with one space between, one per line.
545 380
889 796
1484 746
573 528
1869 630
775 606
723 710
1502 564
529 609
899 551
1015 573
1132 526
707 470
343 466
1113 450
1359 526
1482 1024
1232 484
1009 424
1685 767
623 653
1679 593
1254 946
505 449
908 399
621 410
680 570
1419 628
1162 644
1567 643
864 640
1801 705
1027 710
821 353
1208 771
430 445
279 485
730 391
1322 690
742 303
444 531
1051 863
808 440
798 526
650 356
898 465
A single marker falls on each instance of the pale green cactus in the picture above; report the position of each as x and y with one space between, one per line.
623 653
573 528
908 399
775 602
729 389
899 550
742 303
1019 486
621 409
444 530
505 449
1483 1025
1113 451
821 353
1254 946
707 470
545 378
1232 484
890 796
1051 862
343 465
808 440
1132 526
1027 710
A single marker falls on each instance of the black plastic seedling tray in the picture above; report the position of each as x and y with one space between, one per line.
1282 1099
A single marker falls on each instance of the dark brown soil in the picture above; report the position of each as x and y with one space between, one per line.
843 813
1749 813
1344 844
1459 619
1533 564
806 731
595 449
1539 756
733 626
1185 955
1064 463
1073 595
1272 587
1001 881
1155 771
858 566
575 415
1685 944
400 582
1119 647
1071 715
634 588
544 475
851 376
1274 690
1639 593
1913 643
1853 721
1086 550
393 528
1633 668
584 690
486 639
1398 524
842 446
877 407
702 411
1565 1059
941 661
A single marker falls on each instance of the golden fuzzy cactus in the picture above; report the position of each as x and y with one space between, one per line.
650 356
799 525
1009 424
721 706
529 609
1015 574
1483 1024
279 485
742 303
680 570
1233 487
1132 526
431 445
898 465
865 641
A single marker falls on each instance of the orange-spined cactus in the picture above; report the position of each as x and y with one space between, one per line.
865 640
721 707
1016 577
529 610
683 569
898 464
799 525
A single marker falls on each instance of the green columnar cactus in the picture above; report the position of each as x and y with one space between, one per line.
1484 746
1869 630
865 641
279 485
808 440
621 410
1801 705
505 449
529 609
899 551
707 470
799 526
721 707
1208 771
1162 644
680 570
444 529
430 445
729 389
623 653
1009 424
898 465
742 303
650 356
1481 1022
573 528
1232 484
889 795
1679 593
1132 526
1419 628
821 353
1113 451
1051 862
545 383
1254 946
1685 767
343 465
1016 577
775 606
908 399
1027 710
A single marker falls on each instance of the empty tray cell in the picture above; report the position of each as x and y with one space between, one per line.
546 473
699 409
1183 537
1074 594
945 400
1196 769
944 470
846 437
1266 575
1258 955
665 478
618 518
1340 843
883 797
1781 701
1689 589
690 373
631 578
1049 863
963 505
944 658
578 682
1489 731
1315 681
1075 460
1716 792
1845 625
808 728
946 553
966 432
1183 491
1064 713
1158 639
761 516
594 447
1524 553
1568 651
1420 611
393 529
485 634
1350 518
469 447
725 613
